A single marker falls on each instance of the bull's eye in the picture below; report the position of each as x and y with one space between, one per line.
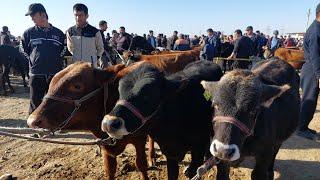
76 87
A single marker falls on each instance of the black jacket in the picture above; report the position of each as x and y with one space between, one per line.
312 48
44 48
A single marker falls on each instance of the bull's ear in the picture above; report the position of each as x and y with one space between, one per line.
108 74
271 92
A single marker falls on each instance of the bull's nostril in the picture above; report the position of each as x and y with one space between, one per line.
215 148
231 152
37 124
116 124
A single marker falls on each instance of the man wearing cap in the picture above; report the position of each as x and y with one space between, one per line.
83 40
310 77
44 44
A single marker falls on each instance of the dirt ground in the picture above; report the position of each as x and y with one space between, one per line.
298 158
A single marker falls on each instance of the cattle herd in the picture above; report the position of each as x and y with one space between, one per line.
160 98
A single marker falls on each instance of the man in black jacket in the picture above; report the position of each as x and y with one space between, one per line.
242 49
310 77
44 44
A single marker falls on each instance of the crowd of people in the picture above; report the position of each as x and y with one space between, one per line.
44 44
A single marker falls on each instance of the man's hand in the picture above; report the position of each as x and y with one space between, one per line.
229 58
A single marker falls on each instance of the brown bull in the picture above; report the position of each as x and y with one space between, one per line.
287 54
76 81
169 63
195 52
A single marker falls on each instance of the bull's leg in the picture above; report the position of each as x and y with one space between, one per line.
24 79
271 166
197 156
7 79
151 152
260 171
223 171
173 169
110 161
110 166
23 74
3 82
141 159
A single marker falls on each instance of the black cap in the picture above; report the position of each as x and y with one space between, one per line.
34 8
318 8
249 28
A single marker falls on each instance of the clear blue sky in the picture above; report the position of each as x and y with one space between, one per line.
164 16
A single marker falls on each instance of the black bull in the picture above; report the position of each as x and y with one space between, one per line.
10 57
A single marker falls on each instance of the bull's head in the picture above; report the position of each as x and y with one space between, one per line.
73 83
237 100
141 92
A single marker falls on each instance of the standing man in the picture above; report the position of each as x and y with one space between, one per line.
172 40
44 44
255 40
310 77
152 40
123 41
105 58
83 40
274 42
5 36
212 46
103 28
242 49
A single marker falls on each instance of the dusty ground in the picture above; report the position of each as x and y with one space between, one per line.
297 159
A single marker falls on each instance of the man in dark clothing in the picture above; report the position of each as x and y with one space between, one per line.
151 39
242 49
164 41
310 77
105 58
103 27
4 36
195 41
255 39
212 46
44 45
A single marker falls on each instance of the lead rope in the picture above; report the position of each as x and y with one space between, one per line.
103 142
202 170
